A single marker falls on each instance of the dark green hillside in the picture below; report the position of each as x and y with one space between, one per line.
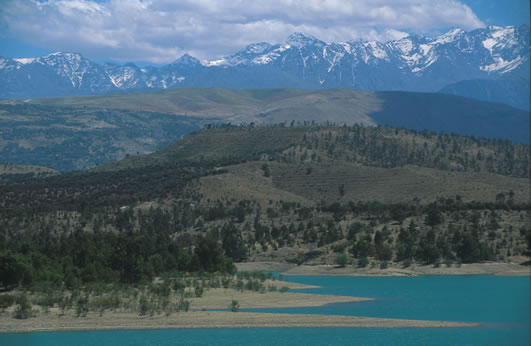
377 147
218 145
302 194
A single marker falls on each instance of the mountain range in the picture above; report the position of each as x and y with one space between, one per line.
475 64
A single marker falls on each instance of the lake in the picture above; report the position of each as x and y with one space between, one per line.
500 304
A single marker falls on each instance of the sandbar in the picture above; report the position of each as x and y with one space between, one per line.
208 319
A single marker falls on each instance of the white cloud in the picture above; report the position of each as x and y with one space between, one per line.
161 30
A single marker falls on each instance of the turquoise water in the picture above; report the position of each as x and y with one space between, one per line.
500 304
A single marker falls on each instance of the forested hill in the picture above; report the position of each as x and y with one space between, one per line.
301 194
366 146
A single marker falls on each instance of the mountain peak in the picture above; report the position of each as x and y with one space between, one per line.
64 55
298 39
450 36
256 48
186 59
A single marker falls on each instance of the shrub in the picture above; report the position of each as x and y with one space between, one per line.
198 291
143 306
341 259
50 299
284 289
6 300
82 307
183 305
234 306
106 302
23 309
363 262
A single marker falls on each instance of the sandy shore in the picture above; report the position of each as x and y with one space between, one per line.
495 268
220 299
207 319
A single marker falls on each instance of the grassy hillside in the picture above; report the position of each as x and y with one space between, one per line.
434 112
237 106
13 173
25 169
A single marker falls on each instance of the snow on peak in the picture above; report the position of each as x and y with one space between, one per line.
405 45
24 61
299 40
501 32
256 48
217 62
498 39
69 56
376 49
450 36
502 66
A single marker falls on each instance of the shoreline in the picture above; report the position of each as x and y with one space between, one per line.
204 314
491 268
204 311
211 320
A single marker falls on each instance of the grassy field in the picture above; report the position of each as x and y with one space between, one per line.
24 169
272 105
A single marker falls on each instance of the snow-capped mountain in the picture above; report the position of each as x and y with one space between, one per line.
414 63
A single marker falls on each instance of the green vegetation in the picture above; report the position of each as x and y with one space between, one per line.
234 306
341 259
171 293
228 194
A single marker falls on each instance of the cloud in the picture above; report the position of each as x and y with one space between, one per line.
160 31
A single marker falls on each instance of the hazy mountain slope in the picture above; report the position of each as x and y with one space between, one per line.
434 112
512 91
446 113
66 138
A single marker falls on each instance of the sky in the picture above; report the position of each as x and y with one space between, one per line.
160 31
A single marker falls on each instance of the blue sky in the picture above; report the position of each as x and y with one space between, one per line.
159 31
501 12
